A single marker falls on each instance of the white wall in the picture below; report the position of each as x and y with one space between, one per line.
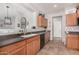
34 22
50 26
17 11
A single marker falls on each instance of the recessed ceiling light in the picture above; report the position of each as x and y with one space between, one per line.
55 5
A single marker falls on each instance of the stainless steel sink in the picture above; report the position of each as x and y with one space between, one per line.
29 35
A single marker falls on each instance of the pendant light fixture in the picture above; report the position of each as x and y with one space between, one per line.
7 18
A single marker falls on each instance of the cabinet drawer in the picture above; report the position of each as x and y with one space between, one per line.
72 35
31 39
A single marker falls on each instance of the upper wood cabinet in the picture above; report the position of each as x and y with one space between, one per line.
41 21
77 13
71 19
45 23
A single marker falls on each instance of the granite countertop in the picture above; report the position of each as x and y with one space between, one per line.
4 42
9 41
29 31
77 33
72 32
72 29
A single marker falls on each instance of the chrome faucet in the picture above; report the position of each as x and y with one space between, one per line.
25 29
24 24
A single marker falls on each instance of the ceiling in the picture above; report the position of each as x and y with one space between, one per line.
50 7
46 7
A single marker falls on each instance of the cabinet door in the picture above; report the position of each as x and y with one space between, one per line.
25 49
39 21
36 45
71 19
45 22
30 48
73 41
47 37
77 13
19 51
10 48
33 45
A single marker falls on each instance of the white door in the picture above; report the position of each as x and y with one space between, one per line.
57 26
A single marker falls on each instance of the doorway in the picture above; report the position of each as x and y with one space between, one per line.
57 28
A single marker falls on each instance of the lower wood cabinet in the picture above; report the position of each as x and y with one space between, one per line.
33 46
29 46
19 51
10 49
37 45
72 41
47 37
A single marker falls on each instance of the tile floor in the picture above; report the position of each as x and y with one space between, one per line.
56 48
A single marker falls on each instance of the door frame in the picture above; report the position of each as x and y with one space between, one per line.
53 26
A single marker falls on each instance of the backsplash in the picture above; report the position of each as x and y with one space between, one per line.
73 28
6 26
15 10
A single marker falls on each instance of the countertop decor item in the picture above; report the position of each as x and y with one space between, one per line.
7 18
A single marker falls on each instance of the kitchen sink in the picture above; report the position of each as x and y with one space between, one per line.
28 35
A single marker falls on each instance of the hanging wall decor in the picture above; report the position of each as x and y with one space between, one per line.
7 18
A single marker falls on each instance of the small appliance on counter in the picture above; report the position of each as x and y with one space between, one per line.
33 27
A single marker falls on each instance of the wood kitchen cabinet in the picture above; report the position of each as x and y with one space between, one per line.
72 41
47 37
28 46
77 12
71 19
36 45
19 51
45 23
10 49
41 21
33 45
